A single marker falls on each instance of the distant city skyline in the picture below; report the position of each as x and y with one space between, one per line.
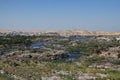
60 15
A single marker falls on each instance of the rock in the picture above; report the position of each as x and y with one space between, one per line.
50 78
86 77
100 66
112 52
61 72
2 72
50 55
101 75
89 76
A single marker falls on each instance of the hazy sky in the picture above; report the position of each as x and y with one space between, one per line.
60 14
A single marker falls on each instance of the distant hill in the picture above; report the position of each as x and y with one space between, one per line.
86 32
5 31
69 32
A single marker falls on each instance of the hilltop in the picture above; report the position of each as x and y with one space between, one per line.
66 32
5 31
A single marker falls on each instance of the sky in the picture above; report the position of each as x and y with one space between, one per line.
60 15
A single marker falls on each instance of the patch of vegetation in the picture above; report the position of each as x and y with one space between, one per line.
85 48
67 77
15 40
112 75
4 77
94 59
91 47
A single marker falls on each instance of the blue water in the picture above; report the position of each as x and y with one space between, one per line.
36 45
73 56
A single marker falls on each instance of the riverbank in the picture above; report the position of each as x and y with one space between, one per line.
60 58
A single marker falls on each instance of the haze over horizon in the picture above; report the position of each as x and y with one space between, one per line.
60 15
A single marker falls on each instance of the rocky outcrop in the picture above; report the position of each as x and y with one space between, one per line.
51 78
90 76
77 76
44 56
112 52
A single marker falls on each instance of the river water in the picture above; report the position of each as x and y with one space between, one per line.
71 56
